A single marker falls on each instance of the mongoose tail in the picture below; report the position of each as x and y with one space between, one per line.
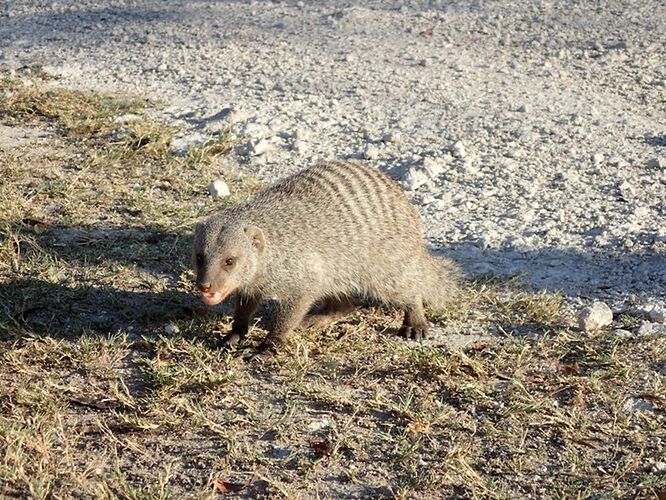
441 280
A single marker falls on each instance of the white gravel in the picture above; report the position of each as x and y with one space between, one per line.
548 117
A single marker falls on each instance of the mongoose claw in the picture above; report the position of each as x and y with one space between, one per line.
413 333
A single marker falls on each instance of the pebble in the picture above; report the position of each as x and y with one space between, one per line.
419 174
595 317
393 137
371 152
657 162
260 147
128 118
318 425
299 146
619 332
657 315
458 149
633 405
218 189
181 145
597 158
171 329
648 329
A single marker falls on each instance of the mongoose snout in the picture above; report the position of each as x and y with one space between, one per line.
328 236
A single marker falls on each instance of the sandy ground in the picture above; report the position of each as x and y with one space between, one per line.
558 110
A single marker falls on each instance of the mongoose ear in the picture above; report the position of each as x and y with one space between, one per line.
257 237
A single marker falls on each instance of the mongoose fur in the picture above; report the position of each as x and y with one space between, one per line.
326 235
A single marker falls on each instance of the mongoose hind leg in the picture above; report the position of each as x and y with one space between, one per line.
244 308
333 309
288 315
415 325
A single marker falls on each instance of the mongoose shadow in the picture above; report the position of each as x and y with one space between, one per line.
601 272
32 306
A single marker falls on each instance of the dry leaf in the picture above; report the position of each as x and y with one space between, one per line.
427 32
418 427
222 486
569 369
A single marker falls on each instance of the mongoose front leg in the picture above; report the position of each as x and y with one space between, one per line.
244 308
415 325
288 315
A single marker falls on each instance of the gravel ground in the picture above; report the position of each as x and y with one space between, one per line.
532 134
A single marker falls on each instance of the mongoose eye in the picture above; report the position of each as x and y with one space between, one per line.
200 259
230 261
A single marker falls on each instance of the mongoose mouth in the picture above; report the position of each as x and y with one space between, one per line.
214 298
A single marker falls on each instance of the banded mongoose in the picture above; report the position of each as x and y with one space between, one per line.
328 236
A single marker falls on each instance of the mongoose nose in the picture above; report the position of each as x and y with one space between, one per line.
204 287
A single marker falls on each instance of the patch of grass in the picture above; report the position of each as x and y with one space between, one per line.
96 400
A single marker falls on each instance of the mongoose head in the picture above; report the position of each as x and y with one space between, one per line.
225 257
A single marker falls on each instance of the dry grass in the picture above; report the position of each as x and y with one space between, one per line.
96 401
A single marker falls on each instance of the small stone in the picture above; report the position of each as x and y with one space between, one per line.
657 162
394 137
634 405
641 212
458 149
657 315
171 329
659 468
299 146
595 317
618 162
218 189
597 158
181 145
625 334
301 134
128 118
371 152
419 174
648 329
260 147
522 108
318 425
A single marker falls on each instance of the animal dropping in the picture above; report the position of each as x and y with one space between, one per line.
321 240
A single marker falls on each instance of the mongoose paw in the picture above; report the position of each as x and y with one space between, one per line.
413 332
230 340
264 352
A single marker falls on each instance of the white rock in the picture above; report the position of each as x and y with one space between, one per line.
421 173
594 317
641 211
128 118
394 137
458 149
597 158
171 329
301 134
659 467
260 147
318 425
619 332
371 152
648 329
181 145
299 146
218 189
